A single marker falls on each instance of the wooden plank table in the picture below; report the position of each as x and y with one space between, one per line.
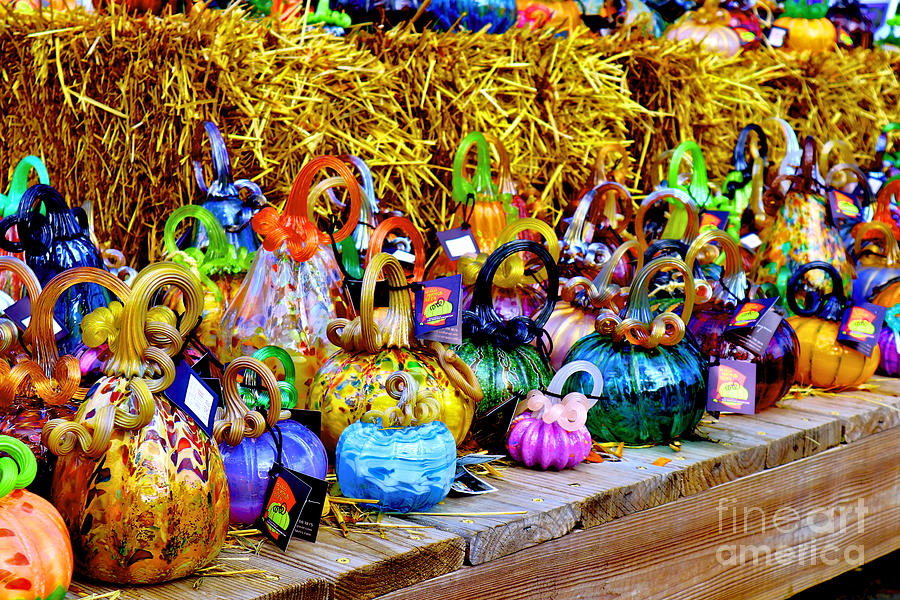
756 506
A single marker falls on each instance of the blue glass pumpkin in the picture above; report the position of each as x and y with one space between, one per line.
655 375
877 265
406 468
54 241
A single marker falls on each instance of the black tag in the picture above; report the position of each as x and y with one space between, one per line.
457 242
20 314
756 340
467 483
715 218
843 207
292 506
860 326
777 37
732 387
192 395
489 429
311 419
437 310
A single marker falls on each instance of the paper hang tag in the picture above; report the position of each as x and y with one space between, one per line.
466 483
876 180
777 37
207 367
755 339
292 506
748 314
404 256
192 395
843 207
714 218
20 314
860 326
458 242
732 387
437 310
751 242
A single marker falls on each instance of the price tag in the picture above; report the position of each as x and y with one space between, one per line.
860 326
192 395
751 242
292 506
843 207
458 242
437 310
777 37
404 256
732 387
714 218
20 314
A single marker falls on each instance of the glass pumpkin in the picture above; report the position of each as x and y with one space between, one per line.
591 236
249 451
405 459
679 202
551 434
54 242
517 286
654 374
480 204
352 381
744 185
222 196
889 343
9 206
293 288
619 173
777 366
886 206
136 476
853 27
808 29
574 315
708 26
500 352
475 15
824 362
219 266
801 231
878 265
35 550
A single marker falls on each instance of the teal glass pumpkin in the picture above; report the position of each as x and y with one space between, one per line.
501 352
405 459
654 374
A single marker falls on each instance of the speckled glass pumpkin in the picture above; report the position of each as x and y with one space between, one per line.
654 375
352 381
824 362
406 462
801 231
140 486
551 434
500 351
776 368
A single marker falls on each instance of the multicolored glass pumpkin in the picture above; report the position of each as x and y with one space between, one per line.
777 366
654 374
352 381
403 457
708 26
551 433
480 204
824 362
139 484
53 241
574 315
35 554
293 289
222 196
518 289
249 451
878 265
591 236
801 230
808 29
889 343
220 267
499 351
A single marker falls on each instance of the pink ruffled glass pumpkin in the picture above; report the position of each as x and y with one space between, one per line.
551 434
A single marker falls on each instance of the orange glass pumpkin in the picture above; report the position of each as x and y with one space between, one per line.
824 362
807 27
709 27
35 553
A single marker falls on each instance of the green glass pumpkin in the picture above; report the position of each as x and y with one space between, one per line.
654 374
500 352
352 381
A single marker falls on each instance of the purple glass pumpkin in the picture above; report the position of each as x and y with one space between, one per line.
877 264
889 343
247 466
552 433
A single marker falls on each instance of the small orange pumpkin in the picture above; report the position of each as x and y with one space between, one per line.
824 362
807 27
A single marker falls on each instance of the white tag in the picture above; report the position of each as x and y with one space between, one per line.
56 326
751 241
197 398
404 256
461 246
777 37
